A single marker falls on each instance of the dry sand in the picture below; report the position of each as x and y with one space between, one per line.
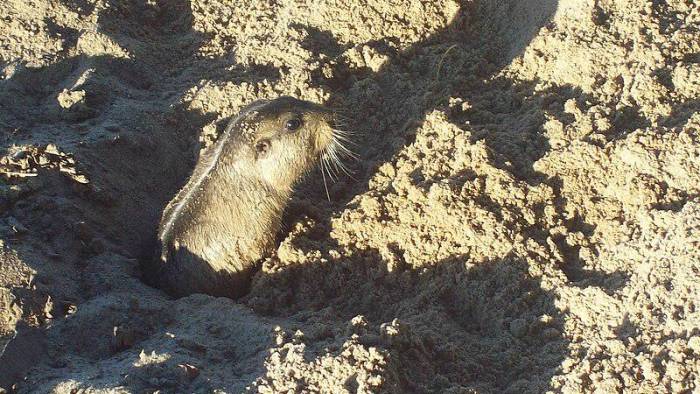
525 213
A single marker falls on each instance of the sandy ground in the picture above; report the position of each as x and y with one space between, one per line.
524 216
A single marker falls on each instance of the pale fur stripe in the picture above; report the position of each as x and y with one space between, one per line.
197 182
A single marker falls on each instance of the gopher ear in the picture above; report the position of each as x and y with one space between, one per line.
262 148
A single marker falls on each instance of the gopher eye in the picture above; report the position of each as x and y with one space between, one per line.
262 147
292 124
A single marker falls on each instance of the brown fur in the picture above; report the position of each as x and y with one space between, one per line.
228 214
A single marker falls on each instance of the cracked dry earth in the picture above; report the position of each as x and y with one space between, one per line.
524 215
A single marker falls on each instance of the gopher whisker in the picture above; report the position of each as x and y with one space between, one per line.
345 139
327 162
348 152
344 132
338 163
332 158
323 174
